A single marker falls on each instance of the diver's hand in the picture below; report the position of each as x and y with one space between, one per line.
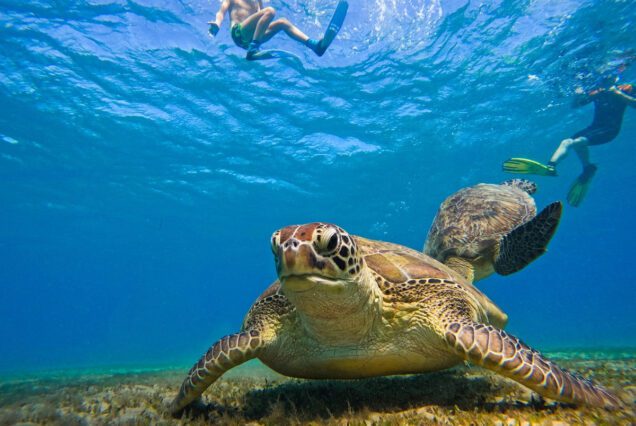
214 28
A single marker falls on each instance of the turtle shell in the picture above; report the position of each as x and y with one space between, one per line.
397 264
406 275
471 222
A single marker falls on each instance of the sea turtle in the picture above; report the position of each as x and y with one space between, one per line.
348 307
490 228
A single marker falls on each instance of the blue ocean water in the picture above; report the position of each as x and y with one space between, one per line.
144 165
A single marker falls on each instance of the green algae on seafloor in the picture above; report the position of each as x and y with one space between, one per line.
254 394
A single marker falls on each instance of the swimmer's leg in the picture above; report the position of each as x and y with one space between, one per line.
578 144
262 25
249 25
583 153
253 28
290 29
581 184
292 32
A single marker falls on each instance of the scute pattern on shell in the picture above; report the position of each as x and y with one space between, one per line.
398 264
408 276
473 219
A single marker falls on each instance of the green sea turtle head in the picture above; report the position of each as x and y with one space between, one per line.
316 254
322 272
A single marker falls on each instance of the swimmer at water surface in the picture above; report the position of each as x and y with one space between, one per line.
252 25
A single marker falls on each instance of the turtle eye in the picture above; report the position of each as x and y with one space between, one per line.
275 242
327 241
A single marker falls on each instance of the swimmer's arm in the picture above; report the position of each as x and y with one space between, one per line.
225 5
629 99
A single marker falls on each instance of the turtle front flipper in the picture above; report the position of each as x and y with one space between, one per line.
496 350
259 330
526 242
225 354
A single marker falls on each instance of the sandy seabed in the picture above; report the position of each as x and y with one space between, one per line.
255 395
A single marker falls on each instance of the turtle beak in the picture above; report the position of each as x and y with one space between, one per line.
289 267
294 258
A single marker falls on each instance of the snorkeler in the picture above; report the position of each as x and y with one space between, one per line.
609 109
253 25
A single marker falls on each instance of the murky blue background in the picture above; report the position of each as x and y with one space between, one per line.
144 165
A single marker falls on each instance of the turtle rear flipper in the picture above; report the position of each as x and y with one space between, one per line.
526 242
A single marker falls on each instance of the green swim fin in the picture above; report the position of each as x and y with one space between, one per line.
579 188
525 165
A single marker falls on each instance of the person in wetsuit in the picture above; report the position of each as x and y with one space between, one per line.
252 25
609 108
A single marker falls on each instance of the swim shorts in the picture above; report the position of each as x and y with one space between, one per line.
237 36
